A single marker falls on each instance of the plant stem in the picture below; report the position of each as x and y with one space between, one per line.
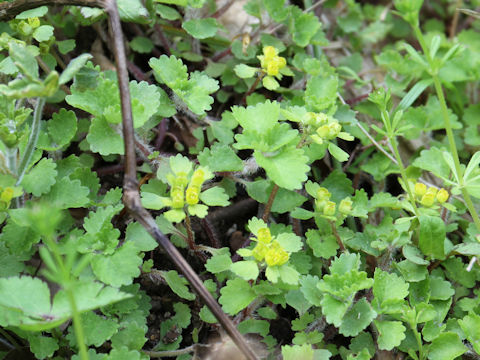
32 140
403 172
190 239
77 325
252 88
337 237
449 131
268 207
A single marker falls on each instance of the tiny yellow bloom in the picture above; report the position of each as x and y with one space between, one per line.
276 255
442 196
345 206
428 199
259 251
264 235
192 194
420 189
329 208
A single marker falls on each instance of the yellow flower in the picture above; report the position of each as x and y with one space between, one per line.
264 236
329 208
442 196
192 194
276 255
259 251
272 63
420 189
428 199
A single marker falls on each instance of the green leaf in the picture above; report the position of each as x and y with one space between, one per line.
42 346
73 68
119 268
295 352
103 139
432 160
65 46
26 302
219 263
440 289
11 264
390 334
321 92
97 329
288 274
432 236
270 83
40 178
206 315
201 28
247 270
220 158
67 193
43 33
132 11
337 153
131 335
357 318
141 44
334 309
303 27
142 240
388 289
37 12
194 92
178 284
296 300
324 246
236 295
308 286
447 346
469 325
215 196
412 272
413 254
59 131
244 71
24 60
260 118
275 166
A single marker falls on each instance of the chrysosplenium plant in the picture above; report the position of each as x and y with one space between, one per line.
319 171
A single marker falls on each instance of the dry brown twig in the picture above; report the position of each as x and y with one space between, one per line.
131 195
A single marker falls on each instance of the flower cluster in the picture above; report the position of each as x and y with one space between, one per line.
270 61
329 208
269 249
327 128
428 196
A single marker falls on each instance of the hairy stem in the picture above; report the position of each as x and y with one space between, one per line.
32 140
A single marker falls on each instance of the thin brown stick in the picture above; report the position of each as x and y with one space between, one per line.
337 236
131 196
268 207
8 10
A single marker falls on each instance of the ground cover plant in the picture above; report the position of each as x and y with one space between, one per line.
315 165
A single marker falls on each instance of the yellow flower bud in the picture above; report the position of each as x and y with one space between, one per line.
269 52
329 208
272 68
198 178
264 236
428 199
323 194
181 179
276 255
442 196
345 206
192 195
7 195
259 251
420 189
177 198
